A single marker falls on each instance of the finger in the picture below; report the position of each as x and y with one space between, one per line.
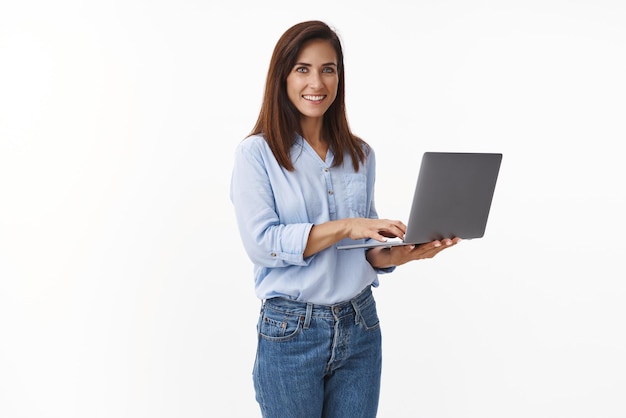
379 237
394 227
387 234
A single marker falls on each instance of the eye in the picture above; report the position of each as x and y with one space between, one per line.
328 70
301 69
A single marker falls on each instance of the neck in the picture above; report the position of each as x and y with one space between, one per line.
312 133
311 129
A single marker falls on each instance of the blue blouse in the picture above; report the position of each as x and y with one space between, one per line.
276 209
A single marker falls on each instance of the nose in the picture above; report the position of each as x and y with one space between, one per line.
315 80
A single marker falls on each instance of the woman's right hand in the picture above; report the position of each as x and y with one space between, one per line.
326 234
378 229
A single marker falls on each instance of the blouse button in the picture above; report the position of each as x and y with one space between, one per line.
330 192
273 254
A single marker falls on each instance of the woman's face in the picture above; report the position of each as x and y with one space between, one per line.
313 80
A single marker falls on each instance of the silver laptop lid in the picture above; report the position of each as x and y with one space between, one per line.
452 198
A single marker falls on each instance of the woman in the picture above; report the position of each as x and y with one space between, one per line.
302 182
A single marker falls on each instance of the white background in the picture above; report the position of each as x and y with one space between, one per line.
124 289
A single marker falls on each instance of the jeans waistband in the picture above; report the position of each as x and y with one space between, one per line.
308 310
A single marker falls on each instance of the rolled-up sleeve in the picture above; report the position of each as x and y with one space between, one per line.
267 242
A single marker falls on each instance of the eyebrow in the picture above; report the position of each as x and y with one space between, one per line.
310 65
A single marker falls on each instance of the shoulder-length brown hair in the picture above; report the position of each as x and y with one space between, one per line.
279 120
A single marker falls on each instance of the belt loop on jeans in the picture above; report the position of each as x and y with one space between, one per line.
357 311
309 314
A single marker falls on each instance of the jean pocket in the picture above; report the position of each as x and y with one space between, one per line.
369 315
279 326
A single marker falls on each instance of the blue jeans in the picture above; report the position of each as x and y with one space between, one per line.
318 360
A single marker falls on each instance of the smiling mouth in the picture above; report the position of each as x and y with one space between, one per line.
313 98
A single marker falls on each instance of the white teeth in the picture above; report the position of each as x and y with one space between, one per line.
314 98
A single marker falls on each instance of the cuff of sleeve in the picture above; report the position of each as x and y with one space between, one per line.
300 235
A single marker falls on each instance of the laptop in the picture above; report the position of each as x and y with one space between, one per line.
452 198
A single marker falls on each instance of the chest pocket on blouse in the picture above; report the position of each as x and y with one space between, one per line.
356 191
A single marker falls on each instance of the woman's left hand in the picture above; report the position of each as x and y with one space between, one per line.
401 254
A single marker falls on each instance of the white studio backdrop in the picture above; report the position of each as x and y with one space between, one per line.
124 289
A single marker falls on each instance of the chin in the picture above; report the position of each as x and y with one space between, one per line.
317 113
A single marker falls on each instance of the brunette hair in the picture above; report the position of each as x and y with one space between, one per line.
279 120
